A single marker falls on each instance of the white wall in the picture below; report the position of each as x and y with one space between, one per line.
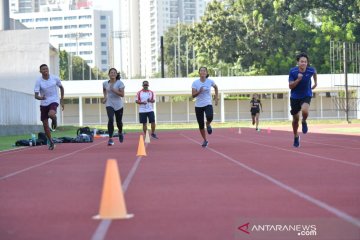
22 52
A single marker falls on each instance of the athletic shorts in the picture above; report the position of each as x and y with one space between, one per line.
144 116
44 110
297 103
254 111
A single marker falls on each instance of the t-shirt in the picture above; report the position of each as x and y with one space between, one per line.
255 105
48 88
204 98
303 89
113 100
143 96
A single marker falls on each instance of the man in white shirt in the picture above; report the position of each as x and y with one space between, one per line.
46 91
146 98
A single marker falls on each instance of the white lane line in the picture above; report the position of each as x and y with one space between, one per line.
298 152
104 225
323 205
46 162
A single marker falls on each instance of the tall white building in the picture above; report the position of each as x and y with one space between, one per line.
142 23
86 33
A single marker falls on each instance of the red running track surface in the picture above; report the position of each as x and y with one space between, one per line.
183 191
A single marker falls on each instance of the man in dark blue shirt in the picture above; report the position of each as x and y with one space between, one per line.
301 93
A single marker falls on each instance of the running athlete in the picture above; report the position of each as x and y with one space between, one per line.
46 91
201 90
114 91
301 93
255 107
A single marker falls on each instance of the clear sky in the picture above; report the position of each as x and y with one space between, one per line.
104 4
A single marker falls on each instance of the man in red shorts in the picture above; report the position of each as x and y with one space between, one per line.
46 91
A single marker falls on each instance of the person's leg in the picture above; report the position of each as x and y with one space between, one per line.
199 111
143 120
144 127
295 112
119 123
257 120
110 126
44 110
52 115
305 105
209 113
253 118
151 116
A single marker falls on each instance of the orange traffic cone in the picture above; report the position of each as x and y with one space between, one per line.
112 205
147 137
141 148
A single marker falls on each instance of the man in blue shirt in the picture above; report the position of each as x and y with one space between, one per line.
301 93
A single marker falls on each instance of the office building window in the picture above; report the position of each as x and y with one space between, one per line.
103 26
103 52
70 26
85 17
84 25
41 19
70 18
56 18
103 35
104 61
103 17
56 27
103 44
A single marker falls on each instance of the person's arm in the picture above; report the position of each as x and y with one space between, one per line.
120 91
138 100
62 97
293 84
196 93
260 106
105 95
216 94
38 97
152 99
315 81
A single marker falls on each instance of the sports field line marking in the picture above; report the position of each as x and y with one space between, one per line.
46 162
331 145
292 151
104 225
346 217
19 149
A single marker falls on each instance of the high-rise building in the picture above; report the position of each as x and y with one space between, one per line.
85 32
142 23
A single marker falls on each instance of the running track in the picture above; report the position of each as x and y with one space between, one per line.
182 191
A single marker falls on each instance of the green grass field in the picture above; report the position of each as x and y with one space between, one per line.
7 142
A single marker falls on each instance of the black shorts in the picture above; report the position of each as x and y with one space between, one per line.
254 111
297 103
144 116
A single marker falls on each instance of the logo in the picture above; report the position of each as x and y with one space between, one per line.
244 228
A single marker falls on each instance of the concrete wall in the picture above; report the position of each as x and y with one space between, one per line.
22 52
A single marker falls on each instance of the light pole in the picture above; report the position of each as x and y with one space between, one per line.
120 35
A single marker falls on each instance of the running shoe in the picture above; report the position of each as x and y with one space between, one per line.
205 144
209 129
51 145
153 135
304 127
121 137
110 142
54 124
297 141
